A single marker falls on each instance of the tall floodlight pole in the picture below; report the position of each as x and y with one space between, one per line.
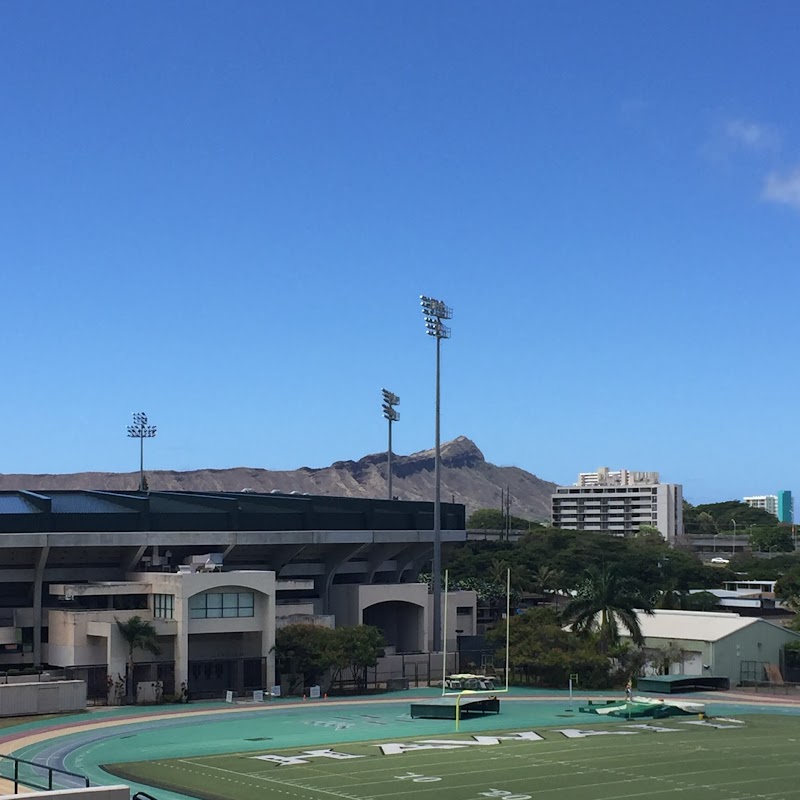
434 312
141 430
390 400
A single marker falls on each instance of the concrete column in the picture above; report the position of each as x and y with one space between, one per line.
134 559
37 604
381 554
268 639
280 555
117 659
181 613
332 564
412 557
237 675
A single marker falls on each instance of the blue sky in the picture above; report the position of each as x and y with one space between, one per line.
223 214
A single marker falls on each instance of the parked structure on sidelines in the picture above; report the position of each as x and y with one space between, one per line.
713 643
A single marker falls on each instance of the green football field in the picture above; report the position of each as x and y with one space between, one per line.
754 758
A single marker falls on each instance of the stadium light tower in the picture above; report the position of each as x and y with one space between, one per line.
390 400
434 312
141 430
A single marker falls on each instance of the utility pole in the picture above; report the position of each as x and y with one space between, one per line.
508 513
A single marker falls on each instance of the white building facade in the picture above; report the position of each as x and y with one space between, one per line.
766 502
619 503
226 619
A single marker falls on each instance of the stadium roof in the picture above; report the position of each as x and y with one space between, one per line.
77 511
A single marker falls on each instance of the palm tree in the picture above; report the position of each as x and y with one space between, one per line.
604 601
138 635
558 583
498 571
543 579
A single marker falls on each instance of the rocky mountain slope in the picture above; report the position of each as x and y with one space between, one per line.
467 477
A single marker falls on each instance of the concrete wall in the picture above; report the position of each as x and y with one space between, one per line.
326 620
22 699
222 645
458 624
82 637
91 636
184 586
93 793
349 602
344 604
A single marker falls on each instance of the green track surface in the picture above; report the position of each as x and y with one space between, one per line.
757 759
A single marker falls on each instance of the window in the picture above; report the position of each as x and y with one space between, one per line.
214 605
163 606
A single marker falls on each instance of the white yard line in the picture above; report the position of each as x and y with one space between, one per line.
260 777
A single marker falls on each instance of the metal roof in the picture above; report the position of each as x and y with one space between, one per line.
100 511
703 626
83 503
14 504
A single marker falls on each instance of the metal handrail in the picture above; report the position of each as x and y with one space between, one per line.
30 784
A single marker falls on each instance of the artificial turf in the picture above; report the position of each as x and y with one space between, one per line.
755 759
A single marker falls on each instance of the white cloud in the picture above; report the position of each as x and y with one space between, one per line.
783 189
752 135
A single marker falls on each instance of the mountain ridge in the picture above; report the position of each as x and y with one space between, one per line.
466 477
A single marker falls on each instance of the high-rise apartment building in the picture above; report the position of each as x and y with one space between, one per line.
779 505
619 503
766 502
785 506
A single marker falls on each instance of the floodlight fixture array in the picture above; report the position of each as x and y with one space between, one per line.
434 311
390 400
141 430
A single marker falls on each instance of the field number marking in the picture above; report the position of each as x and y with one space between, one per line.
415 777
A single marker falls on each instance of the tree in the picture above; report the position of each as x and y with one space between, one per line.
543 579
745 566
357 647
498 572
558 583
662 658
603 601
303 653
706 524
725 513
546 654
493 519
701 601
773 538
138 635
787 588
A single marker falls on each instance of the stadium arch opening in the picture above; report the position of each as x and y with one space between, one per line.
401 622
